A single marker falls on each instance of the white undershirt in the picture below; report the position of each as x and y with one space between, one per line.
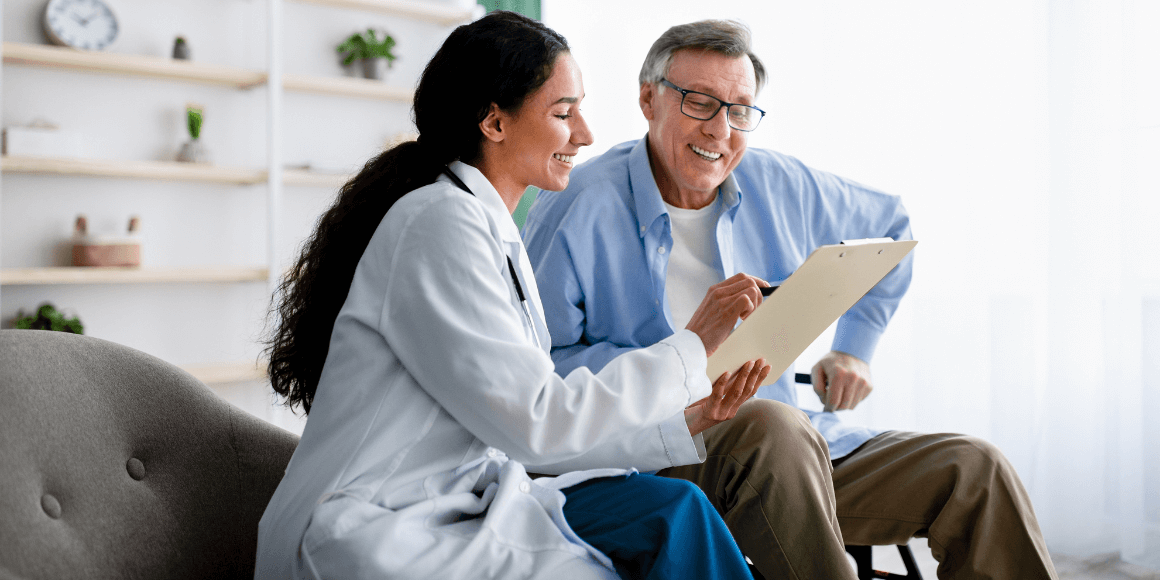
694 261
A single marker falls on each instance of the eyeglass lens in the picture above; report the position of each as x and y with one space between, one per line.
704 107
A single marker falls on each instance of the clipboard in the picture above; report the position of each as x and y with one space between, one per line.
831 280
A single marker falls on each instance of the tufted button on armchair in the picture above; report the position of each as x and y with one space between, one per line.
115 464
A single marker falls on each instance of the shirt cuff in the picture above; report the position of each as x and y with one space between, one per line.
692 352
857 338
681 448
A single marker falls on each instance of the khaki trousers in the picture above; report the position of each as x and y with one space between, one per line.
768 473
763 475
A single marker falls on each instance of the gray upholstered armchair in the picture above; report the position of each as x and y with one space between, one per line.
115 464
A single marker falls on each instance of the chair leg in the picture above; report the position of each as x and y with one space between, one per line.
908 561
864 558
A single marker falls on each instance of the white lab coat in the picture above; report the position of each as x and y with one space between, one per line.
434 395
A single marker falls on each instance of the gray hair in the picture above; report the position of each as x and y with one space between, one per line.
728 37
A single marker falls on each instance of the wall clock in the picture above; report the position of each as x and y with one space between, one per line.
83 24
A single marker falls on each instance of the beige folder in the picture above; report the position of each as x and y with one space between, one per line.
830 281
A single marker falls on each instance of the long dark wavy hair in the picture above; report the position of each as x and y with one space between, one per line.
501 58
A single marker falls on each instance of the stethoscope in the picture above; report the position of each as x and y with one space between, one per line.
511 266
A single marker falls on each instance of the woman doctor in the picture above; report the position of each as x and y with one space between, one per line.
412 334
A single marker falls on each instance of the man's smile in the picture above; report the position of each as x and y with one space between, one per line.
707 155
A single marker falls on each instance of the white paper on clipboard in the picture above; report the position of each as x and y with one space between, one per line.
830 281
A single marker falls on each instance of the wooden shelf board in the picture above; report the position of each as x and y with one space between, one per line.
440 14
155 67
346 87
159 170
314 179
71 275
227 372
164 171
131 65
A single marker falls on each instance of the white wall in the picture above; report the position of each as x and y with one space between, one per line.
188 224
1023 139
897 95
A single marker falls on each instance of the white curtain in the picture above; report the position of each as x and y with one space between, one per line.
1024 138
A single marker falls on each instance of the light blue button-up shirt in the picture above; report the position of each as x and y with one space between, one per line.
600 250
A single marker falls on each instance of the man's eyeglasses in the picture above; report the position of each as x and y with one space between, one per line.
704 107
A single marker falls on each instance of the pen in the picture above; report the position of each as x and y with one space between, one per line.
804 378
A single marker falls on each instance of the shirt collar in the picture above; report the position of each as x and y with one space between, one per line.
730 192
647 196
486 193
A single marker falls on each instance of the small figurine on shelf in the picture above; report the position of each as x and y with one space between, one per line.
92 250
193 151
180 48
375 55
48 318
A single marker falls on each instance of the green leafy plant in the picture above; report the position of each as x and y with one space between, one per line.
362 45
48 318
193 116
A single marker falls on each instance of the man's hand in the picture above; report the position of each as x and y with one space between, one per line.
725 302
729 391
841 380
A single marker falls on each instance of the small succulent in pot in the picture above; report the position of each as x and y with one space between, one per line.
193 151
180 48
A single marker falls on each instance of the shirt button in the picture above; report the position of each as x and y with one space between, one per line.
525 487
642 229
661 250
492 452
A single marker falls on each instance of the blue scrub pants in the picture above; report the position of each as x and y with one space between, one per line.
654 527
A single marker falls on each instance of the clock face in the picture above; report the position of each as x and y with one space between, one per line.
84 24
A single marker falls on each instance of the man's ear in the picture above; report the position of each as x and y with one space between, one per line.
492 126
648 96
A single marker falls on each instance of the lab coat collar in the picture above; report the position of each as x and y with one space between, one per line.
488 195
509 234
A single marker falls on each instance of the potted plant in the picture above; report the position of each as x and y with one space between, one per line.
374 54
193 151
48 318
180 48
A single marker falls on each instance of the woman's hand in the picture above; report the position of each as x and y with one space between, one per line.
725 302
729 391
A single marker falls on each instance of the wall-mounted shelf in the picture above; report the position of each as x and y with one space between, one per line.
164 68
346 87
440 14
227 372
100 70
159 170
69 275
130 65
313 179
163 171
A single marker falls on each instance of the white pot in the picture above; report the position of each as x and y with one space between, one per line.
375 68
193 152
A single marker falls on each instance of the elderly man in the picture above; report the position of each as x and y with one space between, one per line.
646 231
